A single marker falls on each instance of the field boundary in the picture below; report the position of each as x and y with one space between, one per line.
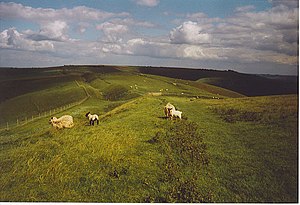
23 121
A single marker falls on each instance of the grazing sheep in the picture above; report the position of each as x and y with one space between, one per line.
65 121
168 108
92 118
176 113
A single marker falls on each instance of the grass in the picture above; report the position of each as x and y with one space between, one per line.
33 103
246 84
224 150
104 158
252 160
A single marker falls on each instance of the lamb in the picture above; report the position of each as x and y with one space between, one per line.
168 108
92 118
65 121
176 113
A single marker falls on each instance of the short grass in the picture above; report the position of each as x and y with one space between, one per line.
227 148
135 155
142 84
16 82
35 103
113 162
253 149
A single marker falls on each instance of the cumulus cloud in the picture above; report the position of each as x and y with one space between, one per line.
272 33
55 30
156 49
149 3
275 30
81 13
119 29
190 33
12 39
113 32
55 23
247 36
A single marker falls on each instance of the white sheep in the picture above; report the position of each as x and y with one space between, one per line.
167 109
175 113
65 121
92 118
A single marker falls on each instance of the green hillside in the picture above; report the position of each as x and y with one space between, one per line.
26 96
246 84
227 147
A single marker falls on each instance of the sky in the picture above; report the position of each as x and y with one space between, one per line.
249 36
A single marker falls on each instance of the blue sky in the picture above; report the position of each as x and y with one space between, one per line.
254 36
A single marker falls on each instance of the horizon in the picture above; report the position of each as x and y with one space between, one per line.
145 66
253 37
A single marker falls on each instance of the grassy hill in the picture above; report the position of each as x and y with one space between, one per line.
25 95
246 84
227 148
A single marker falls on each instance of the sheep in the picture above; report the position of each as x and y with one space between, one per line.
92 118
65 121
167 109
176 113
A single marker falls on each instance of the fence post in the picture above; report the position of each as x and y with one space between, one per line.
7 126
17 122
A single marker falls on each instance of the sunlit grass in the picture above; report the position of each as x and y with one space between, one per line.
224 150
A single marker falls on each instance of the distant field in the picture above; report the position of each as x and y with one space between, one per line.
246 84
227 148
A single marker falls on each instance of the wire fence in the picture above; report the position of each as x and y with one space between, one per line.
23 121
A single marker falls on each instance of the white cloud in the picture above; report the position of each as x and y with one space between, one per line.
55 23
79 13
273 34
248 36
190 33
143 47
118 30
113 32
55 30
149 3
12 39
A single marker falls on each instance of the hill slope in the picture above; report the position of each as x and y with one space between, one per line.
227 147
246 84
25 95
135 155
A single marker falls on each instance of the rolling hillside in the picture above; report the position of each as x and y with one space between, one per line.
246 84
227 147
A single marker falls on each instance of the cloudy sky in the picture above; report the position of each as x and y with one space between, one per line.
251 36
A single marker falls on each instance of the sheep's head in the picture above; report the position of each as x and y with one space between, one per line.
87 114
52 120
